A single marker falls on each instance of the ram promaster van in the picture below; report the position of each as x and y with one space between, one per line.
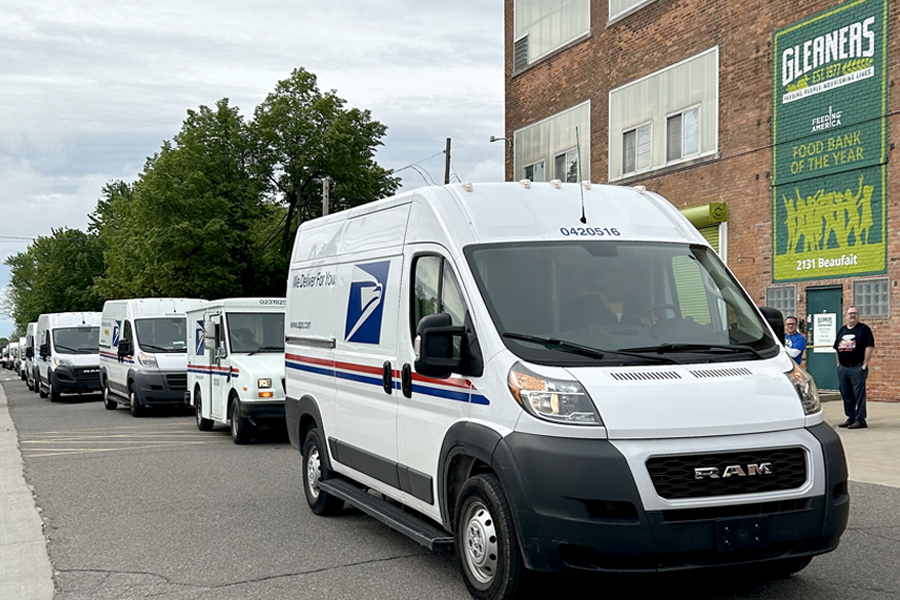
236 364
143 352
552 377
30 358
67 358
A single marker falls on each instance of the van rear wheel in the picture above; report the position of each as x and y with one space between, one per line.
486 541
320 502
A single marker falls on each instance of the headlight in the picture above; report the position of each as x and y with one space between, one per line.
554 400
806 389
264 383
146 360
63 362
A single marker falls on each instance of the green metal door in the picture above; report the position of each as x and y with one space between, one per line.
825 317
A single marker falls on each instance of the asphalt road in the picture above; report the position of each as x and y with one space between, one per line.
154 508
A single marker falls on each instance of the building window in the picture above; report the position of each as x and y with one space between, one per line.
784 298
543 26
620 8
636 149
683 134
873 297
557 147
681 100
565 166
535 171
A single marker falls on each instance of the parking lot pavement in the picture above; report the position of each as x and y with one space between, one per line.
871 453
25 570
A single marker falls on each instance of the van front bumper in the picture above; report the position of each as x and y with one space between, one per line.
160 387
577 506
261 410
76 380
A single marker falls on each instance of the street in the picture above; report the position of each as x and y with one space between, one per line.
152 507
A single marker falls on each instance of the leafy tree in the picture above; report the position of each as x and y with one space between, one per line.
303 136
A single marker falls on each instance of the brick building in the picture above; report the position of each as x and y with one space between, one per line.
769 123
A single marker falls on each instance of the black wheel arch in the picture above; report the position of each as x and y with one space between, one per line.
310 417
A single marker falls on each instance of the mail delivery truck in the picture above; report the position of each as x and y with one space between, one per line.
552 377
31 363
236 364
21 364
143 352
68 359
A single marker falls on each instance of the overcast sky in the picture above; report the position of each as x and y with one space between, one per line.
90 89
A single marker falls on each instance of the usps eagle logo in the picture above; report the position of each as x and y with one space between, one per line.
199 340
366 303
115 334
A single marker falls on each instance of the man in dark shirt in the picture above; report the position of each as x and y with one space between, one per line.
855 345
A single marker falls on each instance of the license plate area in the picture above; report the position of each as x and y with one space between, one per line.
735 535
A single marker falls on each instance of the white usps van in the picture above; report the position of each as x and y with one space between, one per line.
143 352
552 377
21 363
30 358
67 359
236 364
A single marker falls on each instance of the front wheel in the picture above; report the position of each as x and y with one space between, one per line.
241 429
320 502
202 424
137 409
108 402
40 389
486 541
54 393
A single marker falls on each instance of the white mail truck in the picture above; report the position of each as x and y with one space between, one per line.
143 352
552 377
31 363
67 361
236 364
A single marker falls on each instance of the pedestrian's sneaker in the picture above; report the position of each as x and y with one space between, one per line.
847 423
857 425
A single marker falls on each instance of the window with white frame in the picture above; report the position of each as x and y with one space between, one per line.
683 134
535 171
784 298
557 147
636 149
565 166
620 8
681 100
873 297
542 26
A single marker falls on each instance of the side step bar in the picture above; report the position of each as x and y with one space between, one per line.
428 535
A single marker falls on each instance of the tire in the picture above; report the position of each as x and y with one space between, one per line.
36 382
54 394
486 544
321 503
241 428
40 390
202 424
108 403
137 409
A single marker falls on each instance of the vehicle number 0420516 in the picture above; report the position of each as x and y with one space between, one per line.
590 231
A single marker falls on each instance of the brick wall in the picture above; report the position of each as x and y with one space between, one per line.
668 31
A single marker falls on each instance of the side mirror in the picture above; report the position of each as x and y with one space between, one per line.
209 330
434 346
126 348
45 350
29 352
775 320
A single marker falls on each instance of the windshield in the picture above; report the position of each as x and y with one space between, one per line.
162 334
256 332
77 340
646 299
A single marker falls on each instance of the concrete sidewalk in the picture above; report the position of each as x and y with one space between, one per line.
25 570
871 453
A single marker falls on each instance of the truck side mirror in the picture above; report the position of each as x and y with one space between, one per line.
209 330
29 352
775 320
434 346
126 348
45 350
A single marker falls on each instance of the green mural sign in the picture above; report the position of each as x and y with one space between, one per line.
830 143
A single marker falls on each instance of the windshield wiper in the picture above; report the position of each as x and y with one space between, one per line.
666 348
267 349
161 349
578 348
61 347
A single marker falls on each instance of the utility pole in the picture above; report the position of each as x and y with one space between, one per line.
447 163
326 188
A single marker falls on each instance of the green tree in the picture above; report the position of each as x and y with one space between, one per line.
303 136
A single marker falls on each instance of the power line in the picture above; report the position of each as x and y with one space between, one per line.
417 163
15 237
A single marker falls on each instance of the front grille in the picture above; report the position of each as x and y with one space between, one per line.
674 477
177 381
87 374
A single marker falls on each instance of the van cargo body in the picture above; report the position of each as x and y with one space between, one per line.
236 364
67 356
30 356
552 377
143 352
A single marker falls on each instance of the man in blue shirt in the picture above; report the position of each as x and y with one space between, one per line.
794 341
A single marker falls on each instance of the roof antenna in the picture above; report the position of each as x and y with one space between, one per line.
578 172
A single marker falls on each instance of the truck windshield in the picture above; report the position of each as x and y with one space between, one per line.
637 301
77 340
162 334
256 332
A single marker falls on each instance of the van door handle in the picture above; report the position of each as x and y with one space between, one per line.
406 380
387 379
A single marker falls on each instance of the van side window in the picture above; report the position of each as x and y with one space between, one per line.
435 290
126 331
